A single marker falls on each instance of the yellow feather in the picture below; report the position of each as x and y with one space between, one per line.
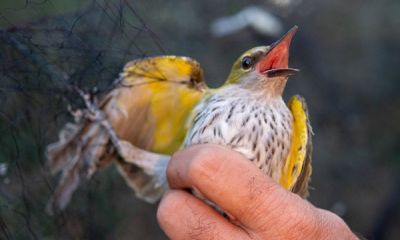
162 87
297 156
170 110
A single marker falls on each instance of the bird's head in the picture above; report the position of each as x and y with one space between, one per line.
265 68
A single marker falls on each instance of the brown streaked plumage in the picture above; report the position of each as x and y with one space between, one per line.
145 115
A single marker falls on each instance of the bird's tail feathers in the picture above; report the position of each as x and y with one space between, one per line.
83 148
79 152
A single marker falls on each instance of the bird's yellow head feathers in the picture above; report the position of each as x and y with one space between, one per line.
264 67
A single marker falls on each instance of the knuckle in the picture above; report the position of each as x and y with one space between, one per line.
300 223
296 219
326 224
263 197
269 211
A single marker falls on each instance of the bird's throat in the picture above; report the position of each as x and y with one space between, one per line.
268 87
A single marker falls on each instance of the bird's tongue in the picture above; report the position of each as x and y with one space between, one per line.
278 56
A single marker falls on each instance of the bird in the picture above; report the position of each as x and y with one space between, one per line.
162 104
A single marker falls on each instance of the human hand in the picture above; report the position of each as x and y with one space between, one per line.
259 207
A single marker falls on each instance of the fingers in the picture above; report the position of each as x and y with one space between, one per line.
183 216
258 205
330 224
249 196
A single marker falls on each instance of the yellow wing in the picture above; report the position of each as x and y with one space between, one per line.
147 109
297 169
154 98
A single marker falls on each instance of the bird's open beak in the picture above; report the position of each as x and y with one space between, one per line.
276 61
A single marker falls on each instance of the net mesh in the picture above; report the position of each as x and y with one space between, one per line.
42 61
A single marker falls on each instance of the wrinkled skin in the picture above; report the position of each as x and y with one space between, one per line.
258 208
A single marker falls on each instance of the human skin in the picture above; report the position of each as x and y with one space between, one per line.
257 207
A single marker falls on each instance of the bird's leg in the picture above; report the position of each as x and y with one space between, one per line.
144 171
95 114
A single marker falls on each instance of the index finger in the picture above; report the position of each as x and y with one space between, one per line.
231 181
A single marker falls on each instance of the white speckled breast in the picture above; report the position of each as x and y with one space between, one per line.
251 123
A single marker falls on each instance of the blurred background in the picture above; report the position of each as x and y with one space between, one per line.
348 53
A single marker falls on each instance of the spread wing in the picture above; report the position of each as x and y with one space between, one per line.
147 109
154 98
297 169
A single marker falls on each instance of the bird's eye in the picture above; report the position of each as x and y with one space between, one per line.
247 62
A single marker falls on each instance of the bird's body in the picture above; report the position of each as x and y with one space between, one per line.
258 126
161 104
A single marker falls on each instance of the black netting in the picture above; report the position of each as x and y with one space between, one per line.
347 51
41 63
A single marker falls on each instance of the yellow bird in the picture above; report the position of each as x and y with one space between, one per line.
161 104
